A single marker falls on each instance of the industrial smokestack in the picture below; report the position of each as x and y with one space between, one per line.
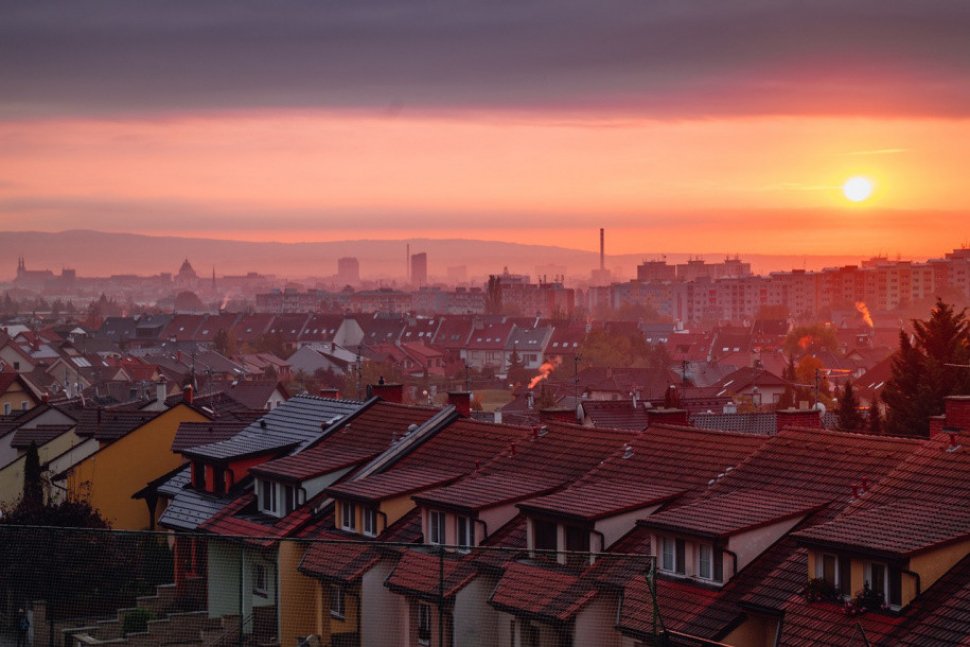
602 250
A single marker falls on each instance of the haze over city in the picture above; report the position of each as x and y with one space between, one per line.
699 128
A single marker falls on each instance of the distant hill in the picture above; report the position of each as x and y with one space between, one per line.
94 253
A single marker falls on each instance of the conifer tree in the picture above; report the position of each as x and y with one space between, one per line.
874 419
33 494
927 370
850 418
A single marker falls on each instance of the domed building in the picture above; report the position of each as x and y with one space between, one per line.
186 277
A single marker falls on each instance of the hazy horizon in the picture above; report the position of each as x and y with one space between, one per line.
706 127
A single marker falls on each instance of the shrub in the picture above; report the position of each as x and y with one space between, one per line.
136 621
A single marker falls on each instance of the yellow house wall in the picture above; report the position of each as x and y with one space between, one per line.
932 565
15 396
297 617
12 475
109 477
395 509
351 609
756 631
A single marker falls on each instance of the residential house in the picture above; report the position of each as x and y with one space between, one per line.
16 393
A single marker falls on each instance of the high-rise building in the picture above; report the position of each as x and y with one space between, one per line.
348 270
419 269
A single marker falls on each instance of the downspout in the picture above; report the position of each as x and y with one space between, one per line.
383 516
602 537
914 575
734 559
484 528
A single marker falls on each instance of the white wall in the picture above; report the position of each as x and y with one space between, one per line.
384 615
615 527
596 622
476 621
748 545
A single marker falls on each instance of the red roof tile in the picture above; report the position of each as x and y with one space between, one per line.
314 462
541 592
728 514
341 561
394 483
427 575
895 530
600 499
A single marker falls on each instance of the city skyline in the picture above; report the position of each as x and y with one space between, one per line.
701 128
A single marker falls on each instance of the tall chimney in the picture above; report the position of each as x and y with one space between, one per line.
331 393
388 392
462 401
602 249
188 394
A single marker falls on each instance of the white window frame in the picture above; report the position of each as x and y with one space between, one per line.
464 533
867 574
368 518
338 602
267 497
820 569
348 512
668 550
703 548
436 527
424 623
260 579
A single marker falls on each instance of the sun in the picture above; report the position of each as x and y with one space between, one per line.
857 189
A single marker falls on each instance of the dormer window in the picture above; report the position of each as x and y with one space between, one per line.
436 527
369 521
347 514
267 497
198 475
465 533
705 562
672 556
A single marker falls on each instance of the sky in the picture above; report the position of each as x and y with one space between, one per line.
681 126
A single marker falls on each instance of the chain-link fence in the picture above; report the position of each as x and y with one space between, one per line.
79 588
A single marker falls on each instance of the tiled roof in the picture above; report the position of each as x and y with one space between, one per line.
817 465
314 462
747 376
479 492
826 625
490 337
375 427
39 435
462 445
894 530
600 499
763 423
619 414
397 482
339 561
253 395
541 592
426 575
941 617
190 508
107 425
298 421
193 434
722 516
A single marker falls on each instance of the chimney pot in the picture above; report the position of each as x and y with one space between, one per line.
855 491
865 484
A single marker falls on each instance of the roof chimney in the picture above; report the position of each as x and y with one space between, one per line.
462 401
46 397
388 392
558 414
330 393
188 394
161 392
805 418
661 416
958 411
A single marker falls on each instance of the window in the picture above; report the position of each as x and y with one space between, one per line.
836 570
267 496
465 532
424 624
218 480
347 514
24 405
6 408
260 580
370 521
436 527
877 579
198 475
289 499
705 562
672 555
545 535
337 602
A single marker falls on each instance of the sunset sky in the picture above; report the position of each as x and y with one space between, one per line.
694 127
